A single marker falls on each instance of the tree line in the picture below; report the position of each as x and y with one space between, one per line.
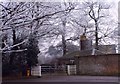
25 24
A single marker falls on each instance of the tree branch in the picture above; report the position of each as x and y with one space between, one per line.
12 51
7 48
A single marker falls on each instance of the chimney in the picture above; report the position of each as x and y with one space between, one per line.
85 44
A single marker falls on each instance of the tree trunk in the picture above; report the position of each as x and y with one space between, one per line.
96 35
63 45
63 36
14 48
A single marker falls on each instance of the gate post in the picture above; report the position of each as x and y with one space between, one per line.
77 65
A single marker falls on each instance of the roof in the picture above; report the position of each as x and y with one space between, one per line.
108 49
73 54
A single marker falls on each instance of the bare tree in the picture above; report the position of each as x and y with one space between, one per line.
64 21
94 18
95 13
32 16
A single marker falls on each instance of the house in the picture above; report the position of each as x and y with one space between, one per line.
97 59
86 49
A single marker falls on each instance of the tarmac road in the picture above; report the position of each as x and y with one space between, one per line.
67 80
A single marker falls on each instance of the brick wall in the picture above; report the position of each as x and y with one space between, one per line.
98 65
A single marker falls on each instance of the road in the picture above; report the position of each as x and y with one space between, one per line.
67 79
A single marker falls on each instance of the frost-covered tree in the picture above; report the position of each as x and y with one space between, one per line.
63 20
35 19
99 13
30 16
92 18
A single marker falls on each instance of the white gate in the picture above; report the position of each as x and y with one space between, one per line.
36 71
71 69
